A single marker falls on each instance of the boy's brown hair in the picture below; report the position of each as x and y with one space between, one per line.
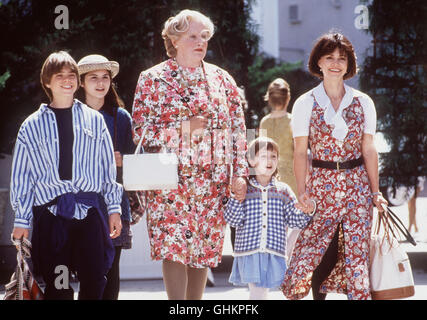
258 144
54 64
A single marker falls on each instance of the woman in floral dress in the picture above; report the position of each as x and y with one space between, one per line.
338 123
193 108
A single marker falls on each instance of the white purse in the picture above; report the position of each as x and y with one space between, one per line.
390 270
391 273
150 171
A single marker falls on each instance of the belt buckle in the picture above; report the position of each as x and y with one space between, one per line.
338 166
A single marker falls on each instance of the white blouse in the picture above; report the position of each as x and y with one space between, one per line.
301 112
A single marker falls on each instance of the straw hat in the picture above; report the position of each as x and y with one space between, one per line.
97 62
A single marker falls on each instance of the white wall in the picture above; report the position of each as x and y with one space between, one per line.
136 263
265 14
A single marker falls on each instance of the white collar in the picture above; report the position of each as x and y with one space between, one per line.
331 117
254 182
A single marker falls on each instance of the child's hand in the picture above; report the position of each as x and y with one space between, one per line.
239 188
115 224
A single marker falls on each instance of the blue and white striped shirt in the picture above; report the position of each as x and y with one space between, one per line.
262 219
35 179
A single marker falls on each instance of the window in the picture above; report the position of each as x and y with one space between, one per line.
294 13
336 4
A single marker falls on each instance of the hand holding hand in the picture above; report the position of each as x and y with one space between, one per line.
239 188
305 204
115 224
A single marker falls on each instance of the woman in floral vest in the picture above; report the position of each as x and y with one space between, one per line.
338 123
193 108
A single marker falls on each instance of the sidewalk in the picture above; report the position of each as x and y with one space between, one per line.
153 289
224 291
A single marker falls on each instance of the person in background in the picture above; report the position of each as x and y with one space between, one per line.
98 92
277 126
63 162
412 206
261 221
193 108
338 123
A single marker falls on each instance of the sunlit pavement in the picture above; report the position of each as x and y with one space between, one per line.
154 289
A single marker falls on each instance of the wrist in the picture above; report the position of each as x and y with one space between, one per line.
314 208
375 194
300 193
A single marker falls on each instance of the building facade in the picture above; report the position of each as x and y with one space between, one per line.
289 28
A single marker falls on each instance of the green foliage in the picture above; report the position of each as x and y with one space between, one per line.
395 78
3 79
127 31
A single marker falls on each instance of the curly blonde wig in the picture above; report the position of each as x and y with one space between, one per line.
178 25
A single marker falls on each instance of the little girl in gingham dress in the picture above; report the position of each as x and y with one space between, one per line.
261 221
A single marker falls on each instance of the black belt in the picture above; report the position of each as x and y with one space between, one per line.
337 165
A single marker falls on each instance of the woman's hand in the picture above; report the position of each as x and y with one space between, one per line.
379 201
309 205
304 204
197 124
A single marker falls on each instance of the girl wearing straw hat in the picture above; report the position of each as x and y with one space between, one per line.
98 92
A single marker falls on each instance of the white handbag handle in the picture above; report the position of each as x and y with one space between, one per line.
139 146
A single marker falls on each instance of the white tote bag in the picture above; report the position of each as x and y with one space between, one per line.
390 270
150 171
391 274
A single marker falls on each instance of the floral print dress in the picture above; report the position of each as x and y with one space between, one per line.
343 200
187 225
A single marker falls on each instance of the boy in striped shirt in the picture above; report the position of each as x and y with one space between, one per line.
63 163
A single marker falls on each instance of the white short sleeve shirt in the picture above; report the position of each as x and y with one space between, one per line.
301 112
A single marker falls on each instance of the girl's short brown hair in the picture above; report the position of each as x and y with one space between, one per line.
54 64
260 143
278 93
326 44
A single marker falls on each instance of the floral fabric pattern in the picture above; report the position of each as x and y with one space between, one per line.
187 224
343 200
